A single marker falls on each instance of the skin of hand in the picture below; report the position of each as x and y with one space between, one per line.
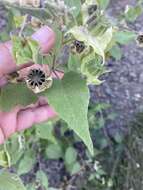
20 118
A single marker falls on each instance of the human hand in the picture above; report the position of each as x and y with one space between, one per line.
20 118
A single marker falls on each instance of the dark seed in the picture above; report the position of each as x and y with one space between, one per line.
32 83
43 75
33 71
40 83
42 79
36 84
37 71
40 72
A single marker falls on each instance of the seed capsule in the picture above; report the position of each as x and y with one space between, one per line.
38 81
140 40
92 9
92 20
79 46
93 15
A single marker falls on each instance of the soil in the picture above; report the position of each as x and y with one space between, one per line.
123 87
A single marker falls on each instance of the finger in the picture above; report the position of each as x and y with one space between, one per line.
6 61
18 120
25 119
44 113
28 118
45 38
8 122
3 81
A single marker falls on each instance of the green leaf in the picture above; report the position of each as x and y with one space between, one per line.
24 50
30 187
16 94
36 12
76 168
116 52
34 48
74 5
21 51
42 178
73 168
93 68
9 181
26 163
4 36
45 131
3 159
54 151
70 155
124 37
19 20
14 150
70 98
58 43
99 107
74 63
101 123
119 137
132 13
103 3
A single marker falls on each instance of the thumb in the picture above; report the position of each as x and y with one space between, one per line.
19 119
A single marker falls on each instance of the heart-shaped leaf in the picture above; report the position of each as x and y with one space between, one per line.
70 98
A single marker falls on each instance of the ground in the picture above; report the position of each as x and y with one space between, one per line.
123 88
